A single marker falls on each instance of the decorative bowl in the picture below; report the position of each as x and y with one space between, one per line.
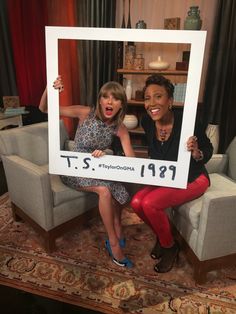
159 64
130 121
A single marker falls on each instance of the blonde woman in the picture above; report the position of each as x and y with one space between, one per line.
95 132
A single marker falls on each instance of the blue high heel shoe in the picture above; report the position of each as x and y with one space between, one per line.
124 263
122 243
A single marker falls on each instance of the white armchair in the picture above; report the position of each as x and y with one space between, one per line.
206 226
37 196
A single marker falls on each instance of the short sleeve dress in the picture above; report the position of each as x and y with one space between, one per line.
95 134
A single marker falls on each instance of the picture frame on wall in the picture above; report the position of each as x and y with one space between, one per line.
172 23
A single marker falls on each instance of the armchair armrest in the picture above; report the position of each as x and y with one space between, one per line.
217 163
216 234
30 189
69 145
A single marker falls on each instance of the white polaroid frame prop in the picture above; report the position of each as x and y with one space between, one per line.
118 168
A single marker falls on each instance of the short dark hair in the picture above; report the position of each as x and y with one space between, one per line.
160 80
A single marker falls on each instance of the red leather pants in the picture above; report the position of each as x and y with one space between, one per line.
150 203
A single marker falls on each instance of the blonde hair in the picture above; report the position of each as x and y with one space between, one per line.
117 91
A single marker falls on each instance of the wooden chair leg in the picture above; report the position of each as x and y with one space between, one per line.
49 243
14 213
200 274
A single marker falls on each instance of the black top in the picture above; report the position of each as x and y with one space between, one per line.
168 150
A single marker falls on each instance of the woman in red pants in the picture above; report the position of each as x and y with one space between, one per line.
162 126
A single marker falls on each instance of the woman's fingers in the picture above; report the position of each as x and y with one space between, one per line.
58 84
192 143
98 153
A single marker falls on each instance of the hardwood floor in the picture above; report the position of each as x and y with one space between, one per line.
13 301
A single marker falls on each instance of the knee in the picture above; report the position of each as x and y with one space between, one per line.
103 192
150 206
147 205
136 204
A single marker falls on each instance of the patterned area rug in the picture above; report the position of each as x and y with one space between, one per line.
80 272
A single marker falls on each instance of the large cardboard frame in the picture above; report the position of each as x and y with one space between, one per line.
118 168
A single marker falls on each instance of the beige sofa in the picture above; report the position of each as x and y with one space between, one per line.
206 227
37 196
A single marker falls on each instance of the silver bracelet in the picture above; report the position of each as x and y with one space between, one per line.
200 156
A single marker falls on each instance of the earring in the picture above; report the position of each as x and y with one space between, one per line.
170 107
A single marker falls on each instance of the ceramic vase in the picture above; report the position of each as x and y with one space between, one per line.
141 24
193 20
130 121
139 62
128 89
130 51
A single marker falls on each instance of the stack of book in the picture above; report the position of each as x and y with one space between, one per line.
180 91
12 111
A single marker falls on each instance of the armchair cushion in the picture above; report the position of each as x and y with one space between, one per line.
218 163
231 152
191 212
62 193
220 182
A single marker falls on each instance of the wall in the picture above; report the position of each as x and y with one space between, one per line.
153 13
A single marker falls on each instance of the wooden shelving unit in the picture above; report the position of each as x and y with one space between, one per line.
151 71
138 130
135 103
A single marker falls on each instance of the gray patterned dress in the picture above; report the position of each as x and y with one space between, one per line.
95 134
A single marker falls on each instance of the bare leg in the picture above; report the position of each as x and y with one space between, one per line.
109 216
117 219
